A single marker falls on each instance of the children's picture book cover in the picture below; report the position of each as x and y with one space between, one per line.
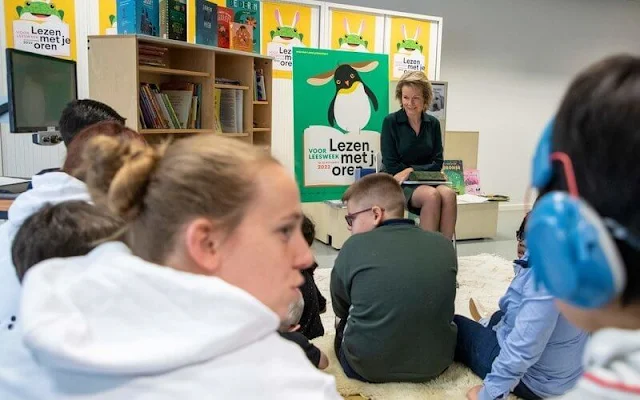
241 37
225 18
206 23
173 19
472 181
248 12
138 17
455 173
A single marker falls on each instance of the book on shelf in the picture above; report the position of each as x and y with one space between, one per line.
173 105
227 81
225 18
248 12
173 19
455 174
231 110
206 23
241 37
153 55
259 86
138 17
217 127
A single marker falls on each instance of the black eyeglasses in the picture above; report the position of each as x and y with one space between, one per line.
351 217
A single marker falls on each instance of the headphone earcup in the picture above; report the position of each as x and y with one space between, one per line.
572 253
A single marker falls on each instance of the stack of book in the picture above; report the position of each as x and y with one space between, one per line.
149 54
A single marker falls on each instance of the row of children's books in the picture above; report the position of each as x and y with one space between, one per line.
216 25
171 105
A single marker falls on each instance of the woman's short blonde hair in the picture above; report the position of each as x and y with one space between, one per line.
418 80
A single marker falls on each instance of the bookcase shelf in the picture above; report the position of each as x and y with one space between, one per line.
172 71
225 86
115 78
174 131
238 134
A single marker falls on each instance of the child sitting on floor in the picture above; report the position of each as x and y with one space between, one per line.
584 230
478 312
66 229
289 330
526 346
314 303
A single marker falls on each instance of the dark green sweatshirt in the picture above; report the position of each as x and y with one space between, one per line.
397 286
401 148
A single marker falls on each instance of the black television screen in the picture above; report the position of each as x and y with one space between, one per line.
39 89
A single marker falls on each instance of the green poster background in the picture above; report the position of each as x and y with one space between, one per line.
326 155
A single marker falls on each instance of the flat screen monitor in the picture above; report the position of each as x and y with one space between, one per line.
40 87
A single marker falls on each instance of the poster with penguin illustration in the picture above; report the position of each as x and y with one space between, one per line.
340 100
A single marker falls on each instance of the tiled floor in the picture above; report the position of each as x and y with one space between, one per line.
504 244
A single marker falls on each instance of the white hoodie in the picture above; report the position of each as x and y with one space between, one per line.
20 378
612 367
111 326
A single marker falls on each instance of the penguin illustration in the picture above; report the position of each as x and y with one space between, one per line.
350 108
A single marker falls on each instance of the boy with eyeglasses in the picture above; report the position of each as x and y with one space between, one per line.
393 288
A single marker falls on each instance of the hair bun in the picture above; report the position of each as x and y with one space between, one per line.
118 172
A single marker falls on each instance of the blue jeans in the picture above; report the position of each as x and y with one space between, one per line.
477 346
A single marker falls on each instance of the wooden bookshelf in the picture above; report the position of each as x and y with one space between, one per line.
115 76
172 71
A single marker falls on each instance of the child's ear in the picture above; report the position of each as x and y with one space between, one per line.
377 215
294 328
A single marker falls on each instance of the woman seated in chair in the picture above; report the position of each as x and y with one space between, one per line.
411 141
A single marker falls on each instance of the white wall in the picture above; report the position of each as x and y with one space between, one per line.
508 63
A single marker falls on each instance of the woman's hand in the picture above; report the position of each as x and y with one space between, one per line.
472 394
403 175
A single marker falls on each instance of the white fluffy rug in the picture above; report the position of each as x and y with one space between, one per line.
484 277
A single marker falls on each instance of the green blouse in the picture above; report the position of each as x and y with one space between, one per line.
402 148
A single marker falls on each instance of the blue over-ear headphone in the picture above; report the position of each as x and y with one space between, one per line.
571 248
